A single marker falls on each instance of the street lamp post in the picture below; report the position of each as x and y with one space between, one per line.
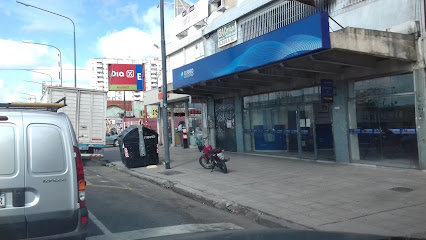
165 112
75 60
60 56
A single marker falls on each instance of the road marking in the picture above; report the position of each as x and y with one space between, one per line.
167 231
111 187
151 166
88 183
99 224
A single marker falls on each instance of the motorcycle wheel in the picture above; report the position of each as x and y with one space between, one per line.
205 163
223 167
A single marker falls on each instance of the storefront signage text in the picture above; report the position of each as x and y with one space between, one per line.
227 34
126 77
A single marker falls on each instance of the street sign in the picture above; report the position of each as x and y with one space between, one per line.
327 91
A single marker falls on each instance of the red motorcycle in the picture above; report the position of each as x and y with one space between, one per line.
212 158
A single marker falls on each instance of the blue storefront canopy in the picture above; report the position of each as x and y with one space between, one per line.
303 37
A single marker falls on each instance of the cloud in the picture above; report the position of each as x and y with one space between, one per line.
9 93
36 20
43 75
17 54
137 42
149 19
16 85
11 97
128 43
83 76
20 88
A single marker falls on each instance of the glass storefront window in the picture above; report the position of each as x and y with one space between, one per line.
283 123
195 123
384 86
385 115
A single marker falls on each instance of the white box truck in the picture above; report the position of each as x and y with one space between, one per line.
86 109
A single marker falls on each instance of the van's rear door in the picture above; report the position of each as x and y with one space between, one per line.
51 202
12 176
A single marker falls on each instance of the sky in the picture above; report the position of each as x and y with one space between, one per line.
103 28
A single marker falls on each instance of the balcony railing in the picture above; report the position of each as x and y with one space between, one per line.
277 16
285 13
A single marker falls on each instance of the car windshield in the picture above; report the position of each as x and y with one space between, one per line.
189 118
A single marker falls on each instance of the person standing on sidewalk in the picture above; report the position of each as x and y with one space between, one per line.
179 130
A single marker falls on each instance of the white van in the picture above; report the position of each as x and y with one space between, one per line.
42 186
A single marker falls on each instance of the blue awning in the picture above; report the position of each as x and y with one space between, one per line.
303 37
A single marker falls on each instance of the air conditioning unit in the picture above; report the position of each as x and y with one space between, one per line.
218 5
182 34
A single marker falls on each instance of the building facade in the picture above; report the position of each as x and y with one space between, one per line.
99 76
343 80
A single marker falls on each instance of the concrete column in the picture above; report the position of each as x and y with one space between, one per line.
299 137
160 127
204 120
239 135
247 125
172 123
211 123
352 120
186 118
340 121
419 88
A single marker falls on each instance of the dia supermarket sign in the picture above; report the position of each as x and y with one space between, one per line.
126 77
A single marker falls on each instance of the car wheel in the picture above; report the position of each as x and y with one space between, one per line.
115 143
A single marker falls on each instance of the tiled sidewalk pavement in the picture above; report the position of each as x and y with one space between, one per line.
322 196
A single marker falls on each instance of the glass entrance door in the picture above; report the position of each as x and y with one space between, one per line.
323 131
385 129
307 131
293 124
225 124
285 130
291 132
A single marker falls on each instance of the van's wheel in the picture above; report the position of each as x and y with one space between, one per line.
116 143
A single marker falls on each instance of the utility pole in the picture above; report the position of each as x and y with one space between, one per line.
164 88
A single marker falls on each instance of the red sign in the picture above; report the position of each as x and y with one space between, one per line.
160 95
126 77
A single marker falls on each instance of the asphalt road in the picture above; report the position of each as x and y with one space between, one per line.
124 207
112 154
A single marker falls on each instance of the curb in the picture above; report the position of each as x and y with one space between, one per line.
214 201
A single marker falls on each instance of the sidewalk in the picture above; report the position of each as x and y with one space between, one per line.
302 194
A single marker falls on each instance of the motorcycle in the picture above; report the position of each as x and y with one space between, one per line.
212 158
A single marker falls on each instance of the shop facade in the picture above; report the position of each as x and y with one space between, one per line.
270 99
182 109
298 124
